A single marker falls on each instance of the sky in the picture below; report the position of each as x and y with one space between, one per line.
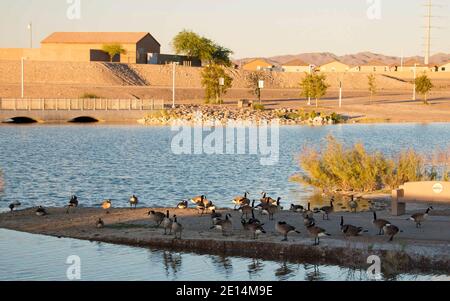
251 28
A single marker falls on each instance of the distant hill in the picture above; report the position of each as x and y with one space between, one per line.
320 58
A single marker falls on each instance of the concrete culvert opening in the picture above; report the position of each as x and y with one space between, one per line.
21 120
84 119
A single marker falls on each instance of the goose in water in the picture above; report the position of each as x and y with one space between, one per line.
106 205
156 217
133 201
73 203
317 233
284 229
14 205
350 230
100 223
241 201
419 218
177 228
183 205
379 223
167 223
40 211
226 225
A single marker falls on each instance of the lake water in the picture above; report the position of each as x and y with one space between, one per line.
44 165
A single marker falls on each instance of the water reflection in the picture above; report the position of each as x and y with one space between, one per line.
285 271
223 264
172 264
255 268
312 273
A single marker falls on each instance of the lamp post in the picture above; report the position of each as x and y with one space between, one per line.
414 87
221 84
173 83
260 87
340 94
30 28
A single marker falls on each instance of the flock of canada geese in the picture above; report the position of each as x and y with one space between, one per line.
242 204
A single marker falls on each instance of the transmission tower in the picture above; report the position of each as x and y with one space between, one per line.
429 7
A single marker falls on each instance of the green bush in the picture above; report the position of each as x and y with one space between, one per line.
258 107
354 169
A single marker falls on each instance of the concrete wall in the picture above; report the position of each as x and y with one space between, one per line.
293 69
438 192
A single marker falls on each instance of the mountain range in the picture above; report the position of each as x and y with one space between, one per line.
320 58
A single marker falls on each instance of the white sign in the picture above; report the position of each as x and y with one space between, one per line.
438 188
222 81
261 84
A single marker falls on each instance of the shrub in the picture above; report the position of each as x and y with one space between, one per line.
354 169
89 96
258 107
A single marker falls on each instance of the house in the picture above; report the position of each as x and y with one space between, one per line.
334 66
257 65
445 67
374 67
418 66
87 46
296 66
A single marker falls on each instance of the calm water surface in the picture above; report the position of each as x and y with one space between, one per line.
46 164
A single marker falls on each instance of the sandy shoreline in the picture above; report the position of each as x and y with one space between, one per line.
424 249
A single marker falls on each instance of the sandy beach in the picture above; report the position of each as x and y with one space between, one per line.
413 249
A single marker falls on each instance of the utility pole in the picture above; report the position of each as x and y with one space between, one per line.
415 76
340 94
429 6
30 28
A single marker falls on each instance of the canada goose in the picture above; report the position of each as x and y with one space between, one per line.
106 205
40 211
379 223
317 233
253 220
308 221
350 230
215 216
297 208
326 210
308 213
167 223
14 205
284 229
225 225
73 203
353 204
418 218
183 205
201 208
241 200
156 217
198 199
391 231
247 209
210 207
100 223
177 228
255 229
133 201
272 209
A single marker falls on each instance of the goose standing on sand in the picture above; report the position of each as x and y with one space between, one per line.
106 205
215 216
73 203
326 210
100 223
379 223
418 218
253 220
284 229
350 230
183 205
247 209
177 228
226 225
391 231
240 201
272 209
157 217
353 204
297 208
134 201
167 223
198 199
40 211
14 205
308 221
317 233
308 213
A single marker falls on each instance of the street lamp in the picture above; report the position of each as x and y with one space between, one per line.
30 28
415 75
260 87
173 83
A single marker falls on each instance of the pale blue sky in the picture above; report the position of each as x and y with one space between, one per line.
249 27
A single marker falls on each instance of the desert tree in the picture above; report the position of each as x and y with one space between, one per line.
314 85
211 82
372 83
113 49
253 79
423 87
